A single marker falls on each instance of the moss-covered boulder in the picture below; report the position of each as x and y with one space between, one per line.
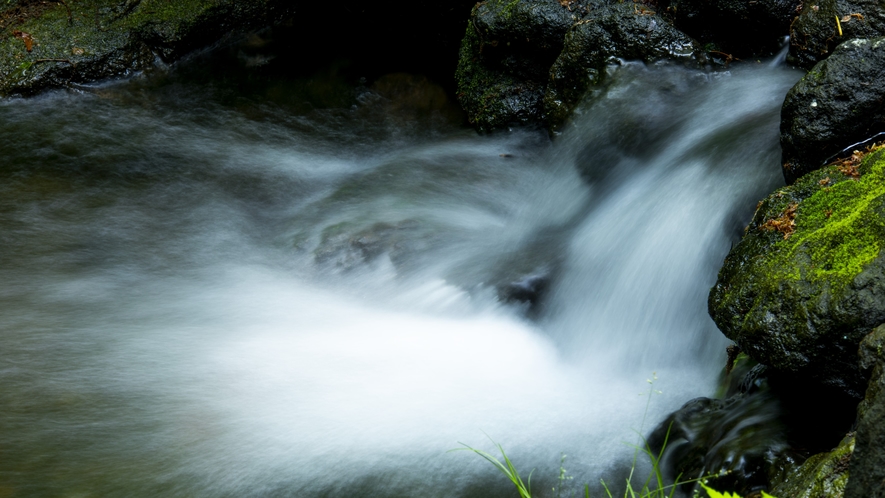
867 470
505 58
807 282
816 32
837 104
87 40
821 476
627 31
741 28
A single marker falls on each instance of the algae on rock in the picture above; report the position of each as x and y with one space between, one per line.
807 281
821 476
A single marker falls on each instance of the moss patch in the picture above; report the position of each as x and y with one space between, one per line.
837 230
822 475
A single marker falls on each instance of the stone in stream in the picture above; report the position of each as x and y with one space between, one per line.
815 33
837 104
621 31
740 28
529 62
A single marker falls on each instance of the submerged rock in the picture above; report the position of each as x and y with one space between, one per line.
837 104
867 469
816 32
807 282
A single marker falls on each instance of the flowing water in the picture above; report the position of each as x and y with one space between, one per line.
213 295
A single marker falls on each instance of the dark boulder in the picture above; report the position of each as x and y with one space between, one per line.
737 27
492 97
815 32
807 281
505 59
740 435
840 102
624 31
531 61
867 469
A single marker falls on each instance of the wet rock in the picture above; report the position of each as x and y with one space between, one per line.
80 42
622 31
822 475
867 469
346 247
807 281
837 104
741 435
738 27
528 289
760 434
815 33
505 58
531 61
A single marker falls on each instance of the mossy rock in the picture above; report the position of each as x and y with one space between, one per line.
815 33
493 97
837 104
807 281
89 40
822 476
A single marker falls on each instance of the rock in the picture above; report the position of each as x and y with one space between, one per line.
807 281
493 98
742 28
768 425
867 469
822 475
529 62
741 435
346 246
814 34
80 42
837 104
621 31
505 58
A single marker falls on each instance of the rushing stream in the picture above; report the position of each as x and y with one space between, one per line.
205 295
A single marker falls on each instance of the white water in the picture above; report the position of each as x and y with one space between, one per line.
166 328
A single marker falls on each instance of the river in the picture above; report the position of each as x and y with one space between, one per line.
211 294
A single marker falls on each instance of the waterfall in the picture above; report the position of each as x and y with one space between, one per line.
207 298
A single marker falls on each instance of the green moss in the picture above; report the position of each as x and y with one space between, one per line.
838 226
822 475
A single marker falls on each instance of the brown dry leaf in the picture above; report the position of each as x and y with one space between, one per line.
785 223
566 3
25 37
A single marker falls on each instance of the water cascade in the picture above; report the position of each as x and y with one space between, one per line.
205 296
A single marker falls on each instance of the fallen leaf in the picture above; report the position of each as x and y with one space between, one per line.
25 37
